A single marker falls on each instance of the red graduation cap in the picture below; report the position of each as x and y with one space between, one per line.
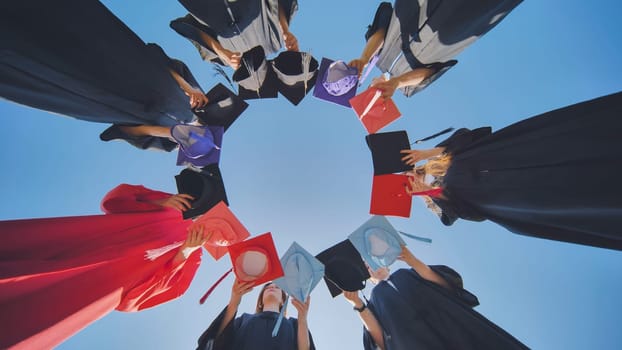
256 260
389 197
224 227
374 111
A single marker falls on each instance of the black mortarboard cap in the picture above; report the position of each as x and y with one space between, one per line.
296 73
255 77
223 108
385 150
344 268
206 186
142 142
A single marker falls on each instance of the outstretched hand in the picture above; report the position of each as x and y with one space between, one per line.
387 87
291 43
359 64
181 202
412 156
229 58
416 185
302 308
197 98
353 298
239 289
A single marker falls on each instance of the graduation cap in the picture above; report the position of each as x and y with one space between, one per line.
385 151
337 82
389 197
198 145
374 111
378 242
302 272
225 229
296 73
255 77
256 260
223 108
343 268
142 142
205 185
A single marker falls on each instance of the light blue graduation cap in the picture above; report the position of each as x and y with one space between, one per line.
302 272
378 242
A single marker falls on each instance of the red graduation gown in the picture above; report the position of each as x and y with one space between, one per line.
57 275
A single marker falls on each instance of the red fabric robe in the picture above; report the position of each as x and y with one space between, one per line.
57 275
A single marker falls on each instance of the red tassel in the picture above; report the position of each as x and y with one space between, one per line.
435 192
209 291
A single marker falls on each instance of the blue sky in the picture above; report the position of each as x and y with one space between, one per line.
304 173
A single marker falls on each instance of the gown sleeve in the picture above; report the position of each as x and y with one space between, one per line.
168 283
209 341
454 280
191 29
131 198
463 137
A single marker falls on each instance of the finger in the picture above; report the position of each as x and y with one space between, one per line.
185 195
184 202
408 151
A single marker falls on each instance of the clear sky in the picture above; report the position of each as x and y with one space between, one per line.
304 173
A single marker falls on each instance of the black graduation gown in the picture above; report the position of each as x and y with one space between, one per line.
75 58
249 23
250 332
432 33
423 315
551 176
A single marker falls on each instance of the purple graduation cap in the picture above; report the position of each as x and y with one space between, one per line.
198 145
337 82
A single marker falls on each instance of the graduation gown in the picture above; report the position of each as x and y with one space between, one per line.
419 314
75 58
237 25
249 332
57 275
430 33
551 176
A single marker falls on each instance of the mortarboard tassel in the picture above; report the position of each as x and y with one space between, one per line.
370 65
153 254
275 331
371 104
211 289
422 239
220 71
306 62
433 136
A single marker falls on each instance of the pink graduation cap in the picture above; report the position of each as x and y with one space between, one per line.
374 111
223 228
337 82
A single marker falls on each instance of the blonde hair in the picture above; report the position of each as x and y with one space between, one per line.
436 167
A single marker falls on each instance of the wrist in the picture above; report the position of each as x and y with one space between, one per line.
360 308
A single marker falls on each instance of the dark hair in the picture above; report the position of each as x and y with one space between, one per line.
259 305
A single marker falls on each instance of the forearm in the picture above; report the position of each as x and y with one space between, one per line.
283 20
413 77
374 43
303 335
232 309
433 152
425 271
373 327
147 130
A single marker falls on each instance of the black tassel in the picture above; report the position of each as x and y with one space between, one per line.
220 71
433 136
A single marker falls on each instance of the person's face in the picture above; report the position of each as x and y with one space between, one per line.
272 293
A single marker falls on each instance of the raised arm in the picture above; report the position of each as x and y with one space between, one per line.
304 343
197 98
422 269
412 156
367 317
291 43
237 291
410 78
374 43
